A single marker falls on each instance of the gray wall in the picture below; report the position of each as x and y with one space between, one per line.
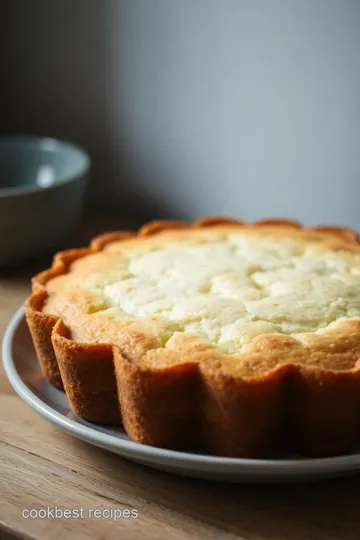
248 108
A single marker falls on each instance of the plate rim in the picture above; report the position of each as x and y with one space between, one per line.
151 454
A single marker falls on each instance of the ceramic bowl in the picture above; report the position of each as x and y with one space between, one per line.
42 189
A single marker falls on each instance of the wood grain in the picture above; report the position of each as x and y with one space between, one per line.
41 466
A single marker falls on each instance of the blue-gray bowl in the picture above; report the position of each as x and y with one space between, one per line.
42 190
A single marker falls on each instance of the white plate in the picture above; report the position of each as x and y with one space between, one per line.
23 371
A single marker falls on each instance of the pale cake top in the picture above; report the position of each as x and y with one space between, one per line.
221 291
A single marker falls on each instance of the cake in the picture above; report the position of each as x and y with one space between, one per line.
236 339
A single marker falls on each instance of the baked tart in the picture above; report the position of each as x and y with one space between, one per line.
236 339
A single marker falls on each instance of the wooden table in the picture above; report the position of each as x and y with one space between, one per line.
40 466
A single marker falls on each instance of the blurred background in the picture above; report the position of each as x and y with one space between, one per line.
248 108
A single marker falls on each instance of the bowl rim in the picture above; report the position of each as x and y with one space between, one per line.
7 192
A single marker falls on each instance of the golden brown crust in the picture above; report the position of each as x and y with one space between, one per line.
158 226
41 326
99 242
88 376
198 404
158 407
323 410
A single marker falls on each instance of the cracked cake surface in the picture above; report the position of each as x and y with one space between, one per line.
234 338
226 291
